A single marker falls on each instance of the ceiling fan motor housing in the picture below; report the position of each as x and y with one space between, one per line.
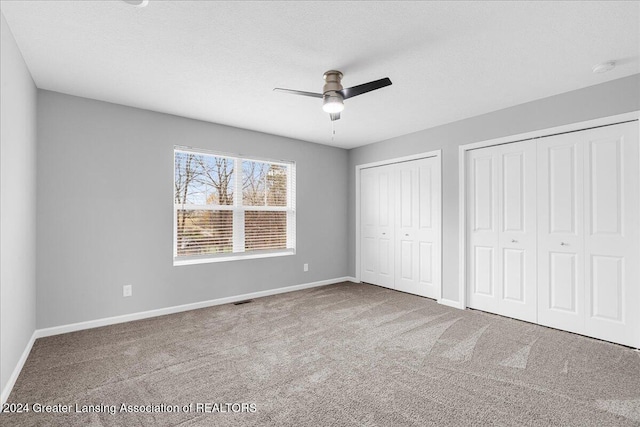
332 99
332 79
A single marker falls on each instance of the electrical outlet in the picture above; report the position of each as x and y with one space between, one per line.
306 267
127 290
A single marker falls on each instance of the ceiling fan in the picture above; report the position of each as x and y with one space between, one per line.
333 94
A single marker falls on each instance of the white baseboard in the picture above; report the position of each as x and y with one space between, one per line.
351 279
63 329
16 371
451 303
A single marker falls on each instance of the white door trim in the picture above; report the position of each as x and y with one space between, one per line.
462 193
358 168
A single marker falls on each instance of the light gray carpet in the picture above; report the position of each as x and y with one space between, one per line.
340 355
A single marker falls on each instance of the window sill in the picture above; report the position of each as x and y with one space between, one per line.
231 257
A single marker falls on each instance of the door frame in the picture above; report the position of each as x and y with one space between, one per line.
358 168
527 136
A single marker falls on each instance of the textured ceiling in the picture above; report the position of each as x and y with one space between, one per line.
219 61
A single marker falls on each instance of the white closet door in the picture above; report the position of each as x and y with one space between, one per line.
429 228
406 218
377 225
482 228
418 263
553 231
612 282
561 232
368 225
517 217
502 230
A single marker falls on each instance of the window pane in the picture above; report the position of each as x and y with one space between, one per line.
201 232
203 180
263 184
265 230
277 185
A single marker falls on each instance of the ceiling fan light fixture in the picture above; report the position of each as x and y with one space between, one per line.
332 103
137 3
603 67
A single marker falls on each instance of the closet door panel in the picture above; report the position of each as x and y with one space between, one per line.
406 207
428 232
561 233
368 259
483 274
369 225
482 205
385 198
483 197
563 282
502 233
418 231
517 235
605 175
612 236
377 226
427 275
385 250
564 186
607 291
429 195
386 229
406 260
406 193
513 191
428 214
513 272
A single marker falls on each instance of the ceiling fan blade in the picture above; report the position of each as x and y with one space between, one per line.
298 92
334 116
350 92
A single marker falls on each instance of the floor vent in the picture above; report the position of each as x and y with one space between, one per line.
247 301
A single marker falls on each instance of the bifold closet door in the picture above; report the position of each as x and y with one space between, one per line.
418 264
377 224
612 238
501 230
589 234
400 226
561 232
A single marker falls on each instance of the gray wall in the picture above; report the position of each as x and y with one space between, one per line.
105 182
615 97
17 205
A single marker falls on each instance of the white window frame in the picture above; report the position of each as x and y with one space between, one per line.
238 212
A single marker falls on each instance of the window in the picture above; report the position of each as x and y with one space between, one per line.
227 207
